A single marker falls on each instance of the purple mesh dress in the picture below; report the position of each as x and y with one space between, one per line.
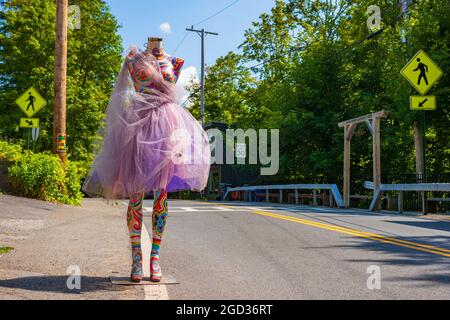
149 141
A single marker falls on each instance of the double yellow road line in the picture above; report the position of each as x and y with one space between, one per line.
362 234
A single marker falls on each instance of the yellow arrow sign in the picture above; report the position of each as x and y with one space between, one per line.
31 102
421 72
29 122
422 102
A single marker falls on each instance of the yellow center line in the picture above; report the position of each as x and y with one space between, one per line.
362 234
356 233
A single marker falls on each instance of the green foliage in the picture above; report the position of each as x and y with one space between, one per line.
27 36
313 69
10 152
42 176
4 250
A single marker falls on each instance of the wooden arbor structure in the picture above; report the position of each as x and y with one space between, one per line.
373 124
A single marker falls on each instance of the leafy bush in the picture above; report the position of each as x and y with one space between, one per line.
74 174
39 176
42 175
10 152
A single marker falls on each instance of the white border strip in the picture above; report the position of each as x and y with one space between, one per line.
156 292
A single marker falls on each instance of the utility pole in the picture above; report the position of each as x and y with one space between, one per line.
59 112
202 33
419 137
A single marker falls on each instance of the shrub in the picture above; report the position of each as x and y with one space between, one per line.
74 174
42 175
10 152
39 176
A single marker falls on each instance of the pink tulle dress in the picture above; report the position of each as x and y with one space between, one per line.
149 142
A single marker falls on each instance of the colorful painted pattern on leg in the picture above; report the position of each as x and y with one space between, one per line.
134 222
159 219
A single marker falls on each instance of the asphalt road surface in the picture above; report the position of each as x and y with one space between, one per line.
248 251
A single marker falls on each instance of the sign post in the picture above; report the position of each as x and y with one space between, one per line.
422 73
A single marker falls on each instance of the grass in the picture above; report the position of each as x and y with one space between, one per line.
4 250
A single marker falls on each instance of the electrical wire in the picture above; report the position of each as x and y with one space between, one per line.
181 42
217 13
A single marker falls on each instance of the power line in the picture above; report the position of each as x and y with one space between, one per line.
181 42
217 13
204 20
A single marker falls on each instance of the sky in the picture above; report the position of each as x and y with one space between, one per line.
141 19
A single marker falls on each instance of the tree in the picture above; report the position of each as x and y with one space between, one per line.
315 67
27 36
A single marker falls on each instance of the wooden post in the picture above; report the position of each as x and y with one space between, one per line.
376 159
373 123
424 202
314 198
281 195
400 201
296 196
348 133
267 195
331 199
376 153
59 113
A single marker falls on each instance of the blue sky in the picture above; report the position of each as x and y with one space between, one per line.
142 18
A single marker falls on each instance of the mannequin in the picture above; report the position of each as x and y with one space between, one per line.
160 208
142 149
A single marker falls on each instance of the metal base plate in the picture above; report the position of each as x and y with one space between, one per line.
125 281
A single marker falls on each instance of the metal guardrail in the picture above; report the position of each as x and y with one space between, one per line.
443 187
334 191
417 187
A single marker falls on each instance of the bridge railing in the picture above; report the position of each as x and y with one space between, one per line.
400 188
335 195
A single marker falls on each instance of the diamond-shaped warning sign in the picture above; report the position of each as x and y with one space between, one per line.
421 72
31 102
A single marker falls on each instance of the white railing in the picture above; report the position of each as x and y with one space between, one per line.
334 191
417 187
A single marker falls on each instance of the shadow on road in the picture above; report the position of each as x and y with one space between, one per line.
436 225
437 266
57 284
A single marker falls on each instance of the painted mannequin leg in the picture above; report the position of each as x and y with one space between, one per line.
159 219
134 222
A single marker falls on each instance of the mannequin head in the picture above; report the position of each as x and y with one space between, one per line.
154 43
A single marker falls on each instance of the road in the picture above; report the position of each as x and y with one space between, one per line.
243 251
225 251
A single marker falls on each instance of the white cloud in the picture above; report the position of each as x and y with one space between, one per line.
165 27
188 75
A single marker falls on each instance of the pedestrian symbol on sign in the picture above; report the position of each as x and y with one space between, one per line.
31 100
423 71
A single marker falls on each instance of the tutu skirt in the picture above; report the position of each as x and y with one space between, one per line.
148 143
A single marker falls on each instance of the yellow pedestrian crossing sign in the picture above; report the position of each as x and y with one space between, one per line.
31 102
29 122
421 72
422 102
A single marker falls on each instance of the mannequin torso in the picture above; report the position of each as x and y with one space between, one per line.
142 64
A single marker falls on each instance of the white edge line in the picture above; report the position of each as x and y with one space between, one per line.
156 292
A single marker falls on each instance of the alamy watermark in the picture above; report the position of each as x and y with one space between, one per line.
74 280
74 17
374 280
232 146
374 20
